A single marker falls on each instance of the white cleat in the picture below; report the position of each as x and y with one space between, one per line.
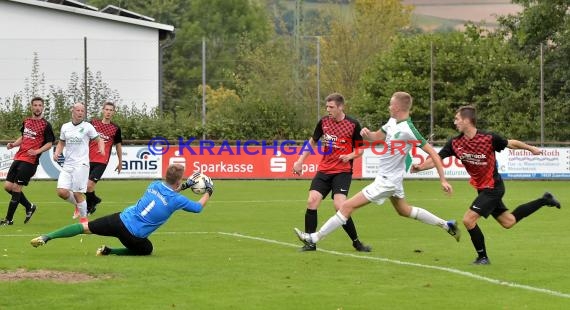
304 237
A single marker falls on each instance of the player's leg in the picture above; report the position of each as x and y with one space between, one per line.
485 204
96 171
25 173
340 188
9 186
78 187
335 221
64 232
529 208
320 187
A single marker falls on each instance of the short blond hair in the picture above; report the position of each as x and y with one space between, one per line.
404 100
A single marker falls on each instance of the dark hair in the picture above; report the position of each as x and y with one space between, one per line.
37 99
468 112
336 97
174 173
106 103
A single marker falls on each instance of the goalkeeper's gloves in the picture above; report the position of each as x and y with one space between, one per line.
190 181
209 186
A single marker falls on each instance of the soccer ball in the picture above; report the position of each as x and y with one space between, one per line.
200 186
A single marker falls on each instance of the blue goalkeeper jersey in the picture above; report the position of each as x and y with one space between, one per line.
154 208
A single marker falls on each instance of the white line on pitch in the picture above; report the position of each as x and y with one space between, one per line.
398 262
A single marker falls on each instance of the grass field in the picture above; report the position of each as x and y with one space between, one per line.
241 253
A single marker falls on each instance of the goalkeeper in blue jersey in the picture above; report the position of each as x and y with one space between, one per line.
133 225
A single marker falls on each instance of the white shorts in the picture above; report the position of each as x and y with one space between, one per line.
383 188
74 178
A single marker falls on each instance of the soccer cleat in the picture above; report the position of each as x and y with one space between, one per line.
308 247
6 222
550 200
453 230
103 251
76 213
304 237
30 213
39 241
91 209
360 247
482 261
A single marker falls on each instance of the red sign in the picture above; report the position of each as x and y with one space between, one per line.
232 164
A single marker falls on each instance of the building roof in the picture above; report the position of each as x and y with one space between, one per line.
111 12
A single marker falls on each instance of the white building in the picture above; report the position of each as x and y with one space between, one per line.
123 46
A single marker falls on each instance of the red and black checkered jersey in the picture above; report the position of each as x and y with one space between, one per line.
111 134
478 156
343 136
35 134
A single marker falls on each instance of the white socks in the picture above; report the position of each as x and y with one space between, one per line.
71 199
82 206
425 216
331 225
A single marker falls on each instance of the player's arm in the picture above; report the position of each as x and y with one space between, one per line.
119 150
519 145
100 145
445 152
378 135
438 166
58 149
16 143
298 165
42 149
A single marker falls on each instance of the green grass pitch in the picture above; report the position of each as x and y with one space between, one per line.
241 253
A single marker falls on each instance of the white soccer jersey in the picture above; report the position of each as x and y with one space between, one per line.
393 154
77 137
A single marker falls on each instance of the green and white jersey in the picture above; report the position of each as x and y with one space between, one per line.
77 137
394 156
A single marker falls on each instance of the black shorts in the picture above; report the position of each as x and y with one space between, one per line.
96 171
111 225
21 172
490 201
338 183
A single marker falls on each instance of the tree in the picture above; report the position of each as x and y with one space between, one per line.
354 41
546 23
470 68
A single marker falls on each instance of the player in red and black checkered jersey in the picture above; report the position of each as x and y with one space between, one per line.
37 137
476 150
335 169
111 135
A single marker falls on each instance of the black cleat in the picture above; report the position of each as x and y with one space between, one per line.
6 222
308 247
360 247
93 208
482 261
550 200
30 213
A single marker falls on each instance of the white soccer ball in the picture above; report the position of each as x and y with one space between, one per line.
200 186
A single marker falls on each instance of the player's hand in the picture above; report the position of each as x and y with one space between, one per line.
365 133
298 168
447 188
119 167
345 157
209 186
9 145
190 181
33 152
415 168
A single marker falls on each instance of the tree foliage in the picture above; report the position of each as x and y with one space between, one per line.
469 68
